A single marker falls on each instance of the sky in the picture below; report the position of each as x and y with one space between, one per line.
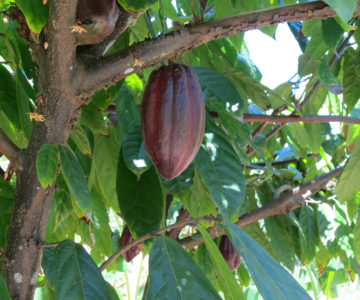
276 58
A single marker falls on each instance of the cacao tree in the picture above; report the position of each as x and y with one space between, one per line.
79 193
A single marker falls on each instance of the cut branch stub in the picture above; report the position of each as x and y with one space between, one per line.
172 118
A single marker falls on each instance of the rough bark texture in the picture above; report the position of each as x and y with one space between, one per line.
64 83
32 202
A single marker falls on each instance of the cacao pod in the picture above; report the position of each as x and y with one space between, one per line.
97 18
229 253
172 118
125 239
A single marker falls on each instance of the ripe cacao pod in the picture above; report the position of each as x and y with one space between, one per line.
97 18
172 118
229 253
125 239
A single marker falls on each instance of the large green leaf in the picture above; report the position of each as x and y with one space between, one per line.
77 276
309 240
351 78
281 241
219 167
344 8
135 155
23 104
174 275
46 164
227 279
141 199
4 293
74 176
105 156
78 136
217 86
272 280
36 13
349 181
99 224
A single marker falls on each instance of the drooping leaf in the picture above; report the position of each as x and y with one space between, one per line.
197 199
78 136
4 293
141 199
48 265
74 176
217 163
272 280
349 181
174 275
105 156
227 279
46 164
135 156
77 276
36 13
310 239
357 239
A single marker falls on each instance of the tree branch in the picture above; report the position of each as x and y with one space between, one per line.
155 234
8 148
183 215
107 71
297 119
283 205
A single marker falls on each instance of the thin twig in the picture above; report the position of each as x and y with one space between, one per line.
183 215
283 205
154 234
297 119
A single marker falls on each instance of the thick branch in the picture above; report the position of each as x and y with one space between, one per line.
107 71
283 205
8 148
297 119
155 234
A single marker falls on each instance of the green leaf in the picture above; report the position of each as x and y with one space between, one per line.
46 165
331 32
218 165
7 194
280 241
141 199
272 280
174 275
23 105
48 265
78 136
36 13
134 6
348 184
74 176
351 78
344 8
4 293
227 279
77 276
325 74
99 224
105 157
135 156
197 199
310 239
217 86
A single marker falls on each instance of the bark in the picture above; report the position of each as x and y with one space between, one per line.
32 203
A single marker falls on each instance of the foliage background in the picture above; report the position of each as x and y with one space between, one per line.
105 176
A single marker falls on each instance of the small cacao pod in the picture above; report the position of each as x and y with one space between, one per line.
229 253
172 118
97 18
125 239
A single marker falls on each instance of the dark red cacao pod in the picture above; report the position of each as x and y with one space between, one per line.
172 118
229 253
125 239
97 18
